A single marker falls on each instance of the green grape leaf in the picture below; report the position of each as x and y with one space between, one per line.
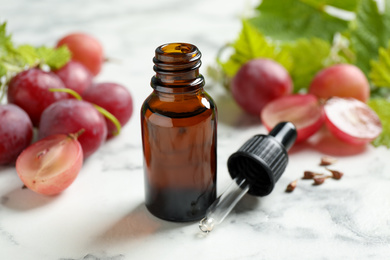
315 52
380 70
382 108
15 59
252 44
347 5
28 54
5 41
54 58
369 31
289 20
8 53
3 70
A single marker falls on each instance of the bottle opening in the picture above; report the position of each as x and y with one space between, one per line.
177 68
177 53
178 48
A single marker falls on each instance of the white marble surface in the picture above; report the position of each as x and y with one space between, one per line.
102 215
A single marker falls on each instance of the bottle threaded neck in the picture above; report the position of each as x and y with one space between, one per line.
177 68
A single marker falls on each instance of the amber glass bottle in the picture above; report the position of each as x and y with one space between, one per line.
179 123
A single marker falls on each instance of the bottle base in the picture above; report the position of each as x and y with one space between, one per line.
180 205
174 218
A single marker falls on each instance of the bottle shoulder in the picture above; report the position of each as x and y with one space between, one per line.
183 103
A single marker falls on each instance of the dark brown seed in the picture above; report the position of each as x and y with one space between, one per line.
308 175
327 160
291 186
319 180
337 175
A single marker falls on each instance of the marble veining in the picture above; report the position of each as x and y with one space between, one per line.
102 215
93 257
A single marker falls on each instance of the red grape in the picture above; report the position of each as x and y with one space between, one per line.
30 90
351 120
71 115
304 111
258 82
16 132
342 80
113 97
50 165
75 76
85 49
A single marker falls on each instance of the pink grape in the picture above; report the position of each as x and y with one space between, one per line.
113 97
71 115
75 76
16 132
351 120
30 90
341 80
85 49
304 111
50 165
258 82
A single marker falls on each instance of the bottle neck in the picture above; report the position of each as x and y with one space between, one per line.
177 68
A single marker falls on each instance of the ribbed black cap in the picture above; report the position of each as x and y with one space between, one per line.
263 158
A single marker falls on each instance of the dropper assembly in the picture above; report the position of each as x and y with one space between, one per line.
254 168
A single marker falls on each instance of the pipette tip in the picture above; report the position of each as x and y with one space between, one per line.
206 225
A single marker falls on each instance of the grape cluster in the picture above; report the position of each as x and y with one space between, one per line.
69 129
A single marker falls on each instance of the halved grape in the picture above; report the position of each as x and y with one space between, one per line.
304 111
50 165
351 120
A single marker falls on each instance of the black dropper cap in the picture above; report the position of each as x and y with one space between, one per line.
263 158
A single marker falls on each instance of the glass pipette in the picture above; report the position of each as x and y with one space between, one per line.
254 168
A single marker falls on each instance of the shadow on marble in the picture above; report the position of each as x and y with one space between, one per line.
8 167
22 199
247 203
229 113
324 142
136 225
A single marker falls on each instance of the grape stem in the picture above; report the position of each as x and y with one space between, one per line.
103 111
110 117
77 134
67 90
